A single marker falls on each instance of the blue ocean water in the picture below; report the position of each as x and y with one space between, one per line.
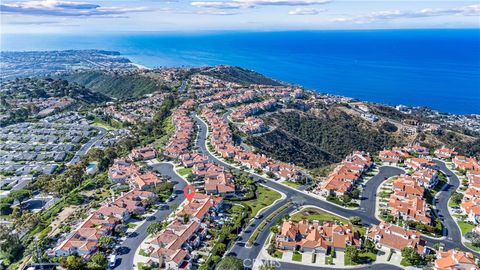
435 68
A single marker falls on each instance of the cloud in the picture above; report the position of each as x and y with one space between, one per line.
237 4
198 12
473 10
65 8
221 5
305 11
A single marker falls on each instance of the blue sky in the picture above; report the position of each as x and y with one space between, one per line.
90 16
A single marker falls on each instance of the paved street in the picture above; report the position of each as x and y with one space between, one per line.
366 211
84 149
369 193
130 245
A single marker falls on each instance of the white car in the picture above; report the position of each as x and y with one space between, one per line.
113 260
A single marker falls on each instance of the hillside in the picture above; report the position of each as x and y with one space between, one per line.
115 85
318 140
25 98
237 75
324 136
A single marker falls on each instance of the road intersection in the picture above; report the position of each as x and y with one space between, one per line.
239 249
452 239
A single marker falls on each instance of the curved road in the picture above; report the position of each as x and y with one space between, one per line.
84 149
130 245
369 193
367 205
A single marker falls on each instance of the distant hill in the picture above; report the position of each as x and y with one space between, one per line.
237 75
115 85
28 98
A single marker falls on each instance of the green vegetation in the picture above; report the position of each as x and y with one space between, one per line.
297 256
264 222
168 130
311 213
292 184
230 263
184 171
117 85
264 197
106 122
455 199
314 141
465 227
238 75
410 257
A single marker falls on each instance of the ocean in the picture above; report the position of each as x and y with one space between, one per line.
435 68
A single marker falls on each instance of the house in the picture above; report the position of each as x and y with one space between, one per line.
344 176
466 163
445 153
84 240
471 207
144 153
219 184
419 163
312 236
200 206
390 157
455 260
122 170
426 177
188 160
387 236
144 180
407 201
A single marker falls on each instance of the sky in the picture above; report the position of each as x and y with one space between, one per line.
92 16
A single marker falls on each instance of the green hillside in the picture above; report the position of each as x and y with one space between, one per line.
116 85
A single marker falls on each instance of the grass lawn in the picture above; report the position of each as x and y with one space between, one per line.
451 203
184 171
131 225
292 184
278 254
297 256
367 256
101 123
469 245
465 226
311 213
169 129
265 197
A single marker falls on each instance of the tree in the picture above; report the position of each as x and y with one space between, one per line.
271 248
369 245
411 257
155 227
10 246
105 241
230 263
5 209
73 262
351 253
274 229
346 199
97 262
355 220
20 195
356 193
